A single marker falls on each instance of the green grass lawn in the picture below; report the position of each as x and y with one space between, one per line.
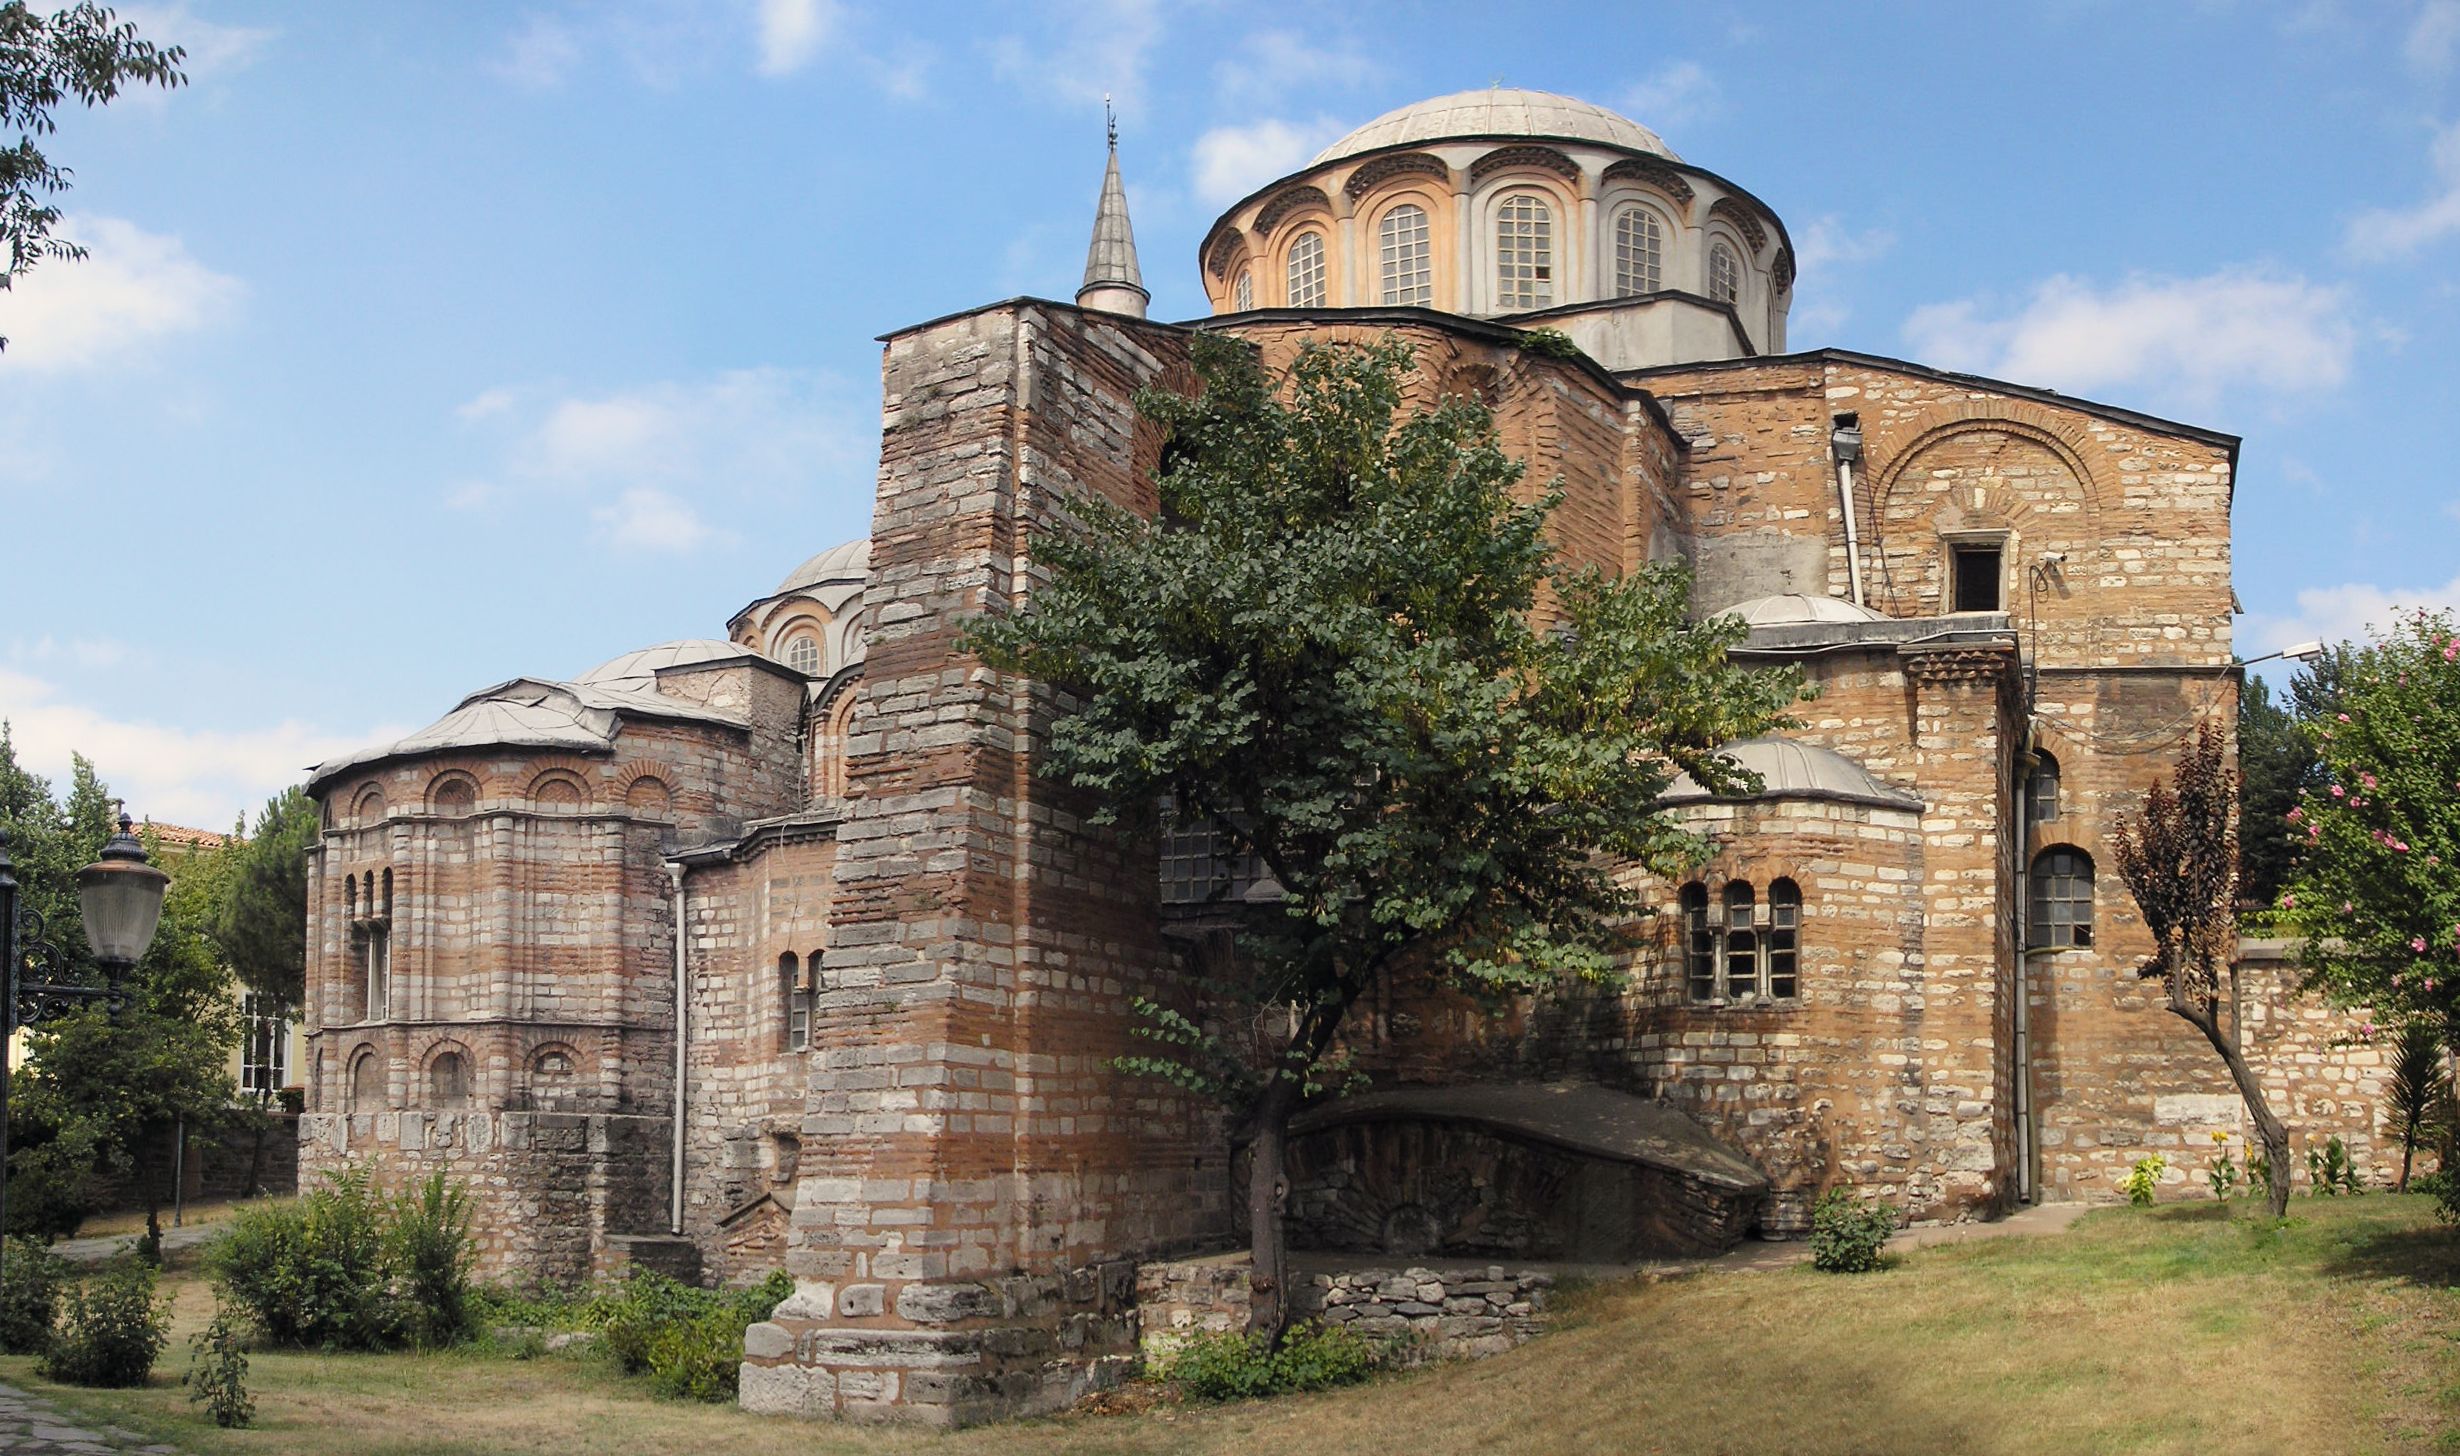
2185 1329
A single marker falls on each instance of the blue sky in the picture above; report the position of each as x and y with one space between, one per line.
423 346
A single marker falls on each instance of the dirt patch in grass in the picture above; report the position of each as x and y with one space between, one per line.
2185 1330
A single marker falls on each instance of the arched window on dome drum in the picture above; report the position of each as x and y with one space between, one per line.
1307 271
2041 790
1639 253
803 654
1724 274
2060 905
1784 936
1243 292
1408 274
1699 944
1742 943
1524 254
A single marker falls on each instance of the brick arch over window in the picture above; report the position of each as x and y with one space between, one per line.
448 1080
367 807
558 791
452 795
366 1091
552 1075
2026 484
830 725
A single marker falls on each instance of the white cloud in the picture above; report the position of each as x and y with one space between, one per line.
173 775
2348 612
792 32
1674 94
2384 233
1272 65
642 519
2189 337
132 288
213 49
541 54
1828 241
1100 48
1232 161
658 458
2433 35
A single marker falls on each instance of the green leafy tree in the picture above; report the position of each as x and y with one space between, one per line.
2377 889
2417 1107
2274 760
261 923
2179 857
81 53
1342 644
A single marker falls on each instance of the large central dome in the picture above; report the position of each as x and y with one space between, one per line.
1497 112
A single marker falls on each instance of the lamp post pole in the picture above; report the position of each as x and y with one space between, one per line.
120 896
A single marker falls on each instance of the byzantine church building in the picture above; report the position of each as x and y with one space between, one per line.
778 949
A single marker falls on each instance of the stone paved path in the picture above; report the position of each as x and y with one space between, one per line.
95 1251
28 1427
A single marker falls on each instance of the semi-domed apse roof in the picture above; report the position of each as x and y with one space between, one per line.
1791 769
639 669
1794 609
1497 111
849 562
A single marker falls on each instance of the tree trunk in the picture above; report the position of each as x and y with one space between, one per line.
2408 1154
2273 1132
1268 1197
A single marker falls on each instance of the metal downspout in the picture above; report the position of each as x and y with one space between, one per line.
1845 438
674 1204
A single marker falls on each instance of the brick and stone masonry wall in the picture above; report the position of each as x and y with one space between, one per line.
1428 1314
974 1178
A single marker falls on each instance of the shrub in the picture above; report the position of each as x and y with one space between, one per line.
698 1358
428 1246
688 1341
218 1373
1847 1233
2144 1178
1228 1365
111 1329
29 1297
2330 1172
2444 1188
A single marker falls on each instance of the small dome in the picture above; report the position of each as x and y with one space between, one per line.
849 562
1791 769
1497 112
641 667
1793 609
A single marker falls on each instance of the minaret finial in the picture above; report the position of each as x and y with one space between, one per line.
1112 280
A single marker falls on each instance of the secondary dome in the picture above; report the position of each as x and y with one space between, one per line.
1497 112
1791 769
640 668
1793 609
850 562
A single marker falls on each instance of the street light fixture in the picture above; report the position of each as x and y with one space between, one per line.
120 899
2300 652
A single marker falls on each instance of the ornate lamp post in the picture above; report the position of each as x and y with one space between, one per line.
120 897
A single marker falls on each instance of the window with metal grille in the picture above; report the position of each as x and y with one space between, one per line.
1639 252
1307 271
1699 944
1784 929
1408 272
1724 274
2060 915
1524 254
2042 789
1202 865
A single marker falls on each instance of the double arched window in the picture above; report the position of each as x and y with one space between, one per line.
2059 905
1524 254
1740 953
1408 272
1724 273
1639 253
1307 271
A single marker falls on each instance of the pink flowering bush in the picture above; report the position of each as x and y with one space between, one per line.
2376 891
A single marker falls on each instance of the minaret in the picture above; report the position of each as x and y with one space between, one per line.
1113 282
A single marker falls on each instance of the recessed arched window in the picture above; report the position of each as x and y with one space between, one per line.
2060 907
1724 273
1742 943
1784 939
1524 254
803 654
366 1081
554 1076
448 1082
452 796
368 808
1699 944
1401 241
556 795
2041 790
1639 253
1243 292
1307 271
795 981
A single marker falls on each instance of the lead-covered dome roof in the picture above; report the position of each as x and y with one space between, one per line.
1794 609
849 562
1791 769
1494 112
639 669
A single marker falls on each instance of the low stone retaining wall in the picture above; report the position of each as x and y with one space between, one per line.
1456 1312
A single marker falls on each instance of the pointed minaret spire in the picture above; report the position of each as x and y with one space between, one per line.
1113 282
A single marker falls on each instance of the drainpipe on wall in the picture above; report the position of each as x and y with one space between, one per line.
674 1203
2028 1152
1845 438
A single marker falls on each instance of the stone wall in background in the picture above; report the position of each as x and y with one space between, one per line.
1448 1313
